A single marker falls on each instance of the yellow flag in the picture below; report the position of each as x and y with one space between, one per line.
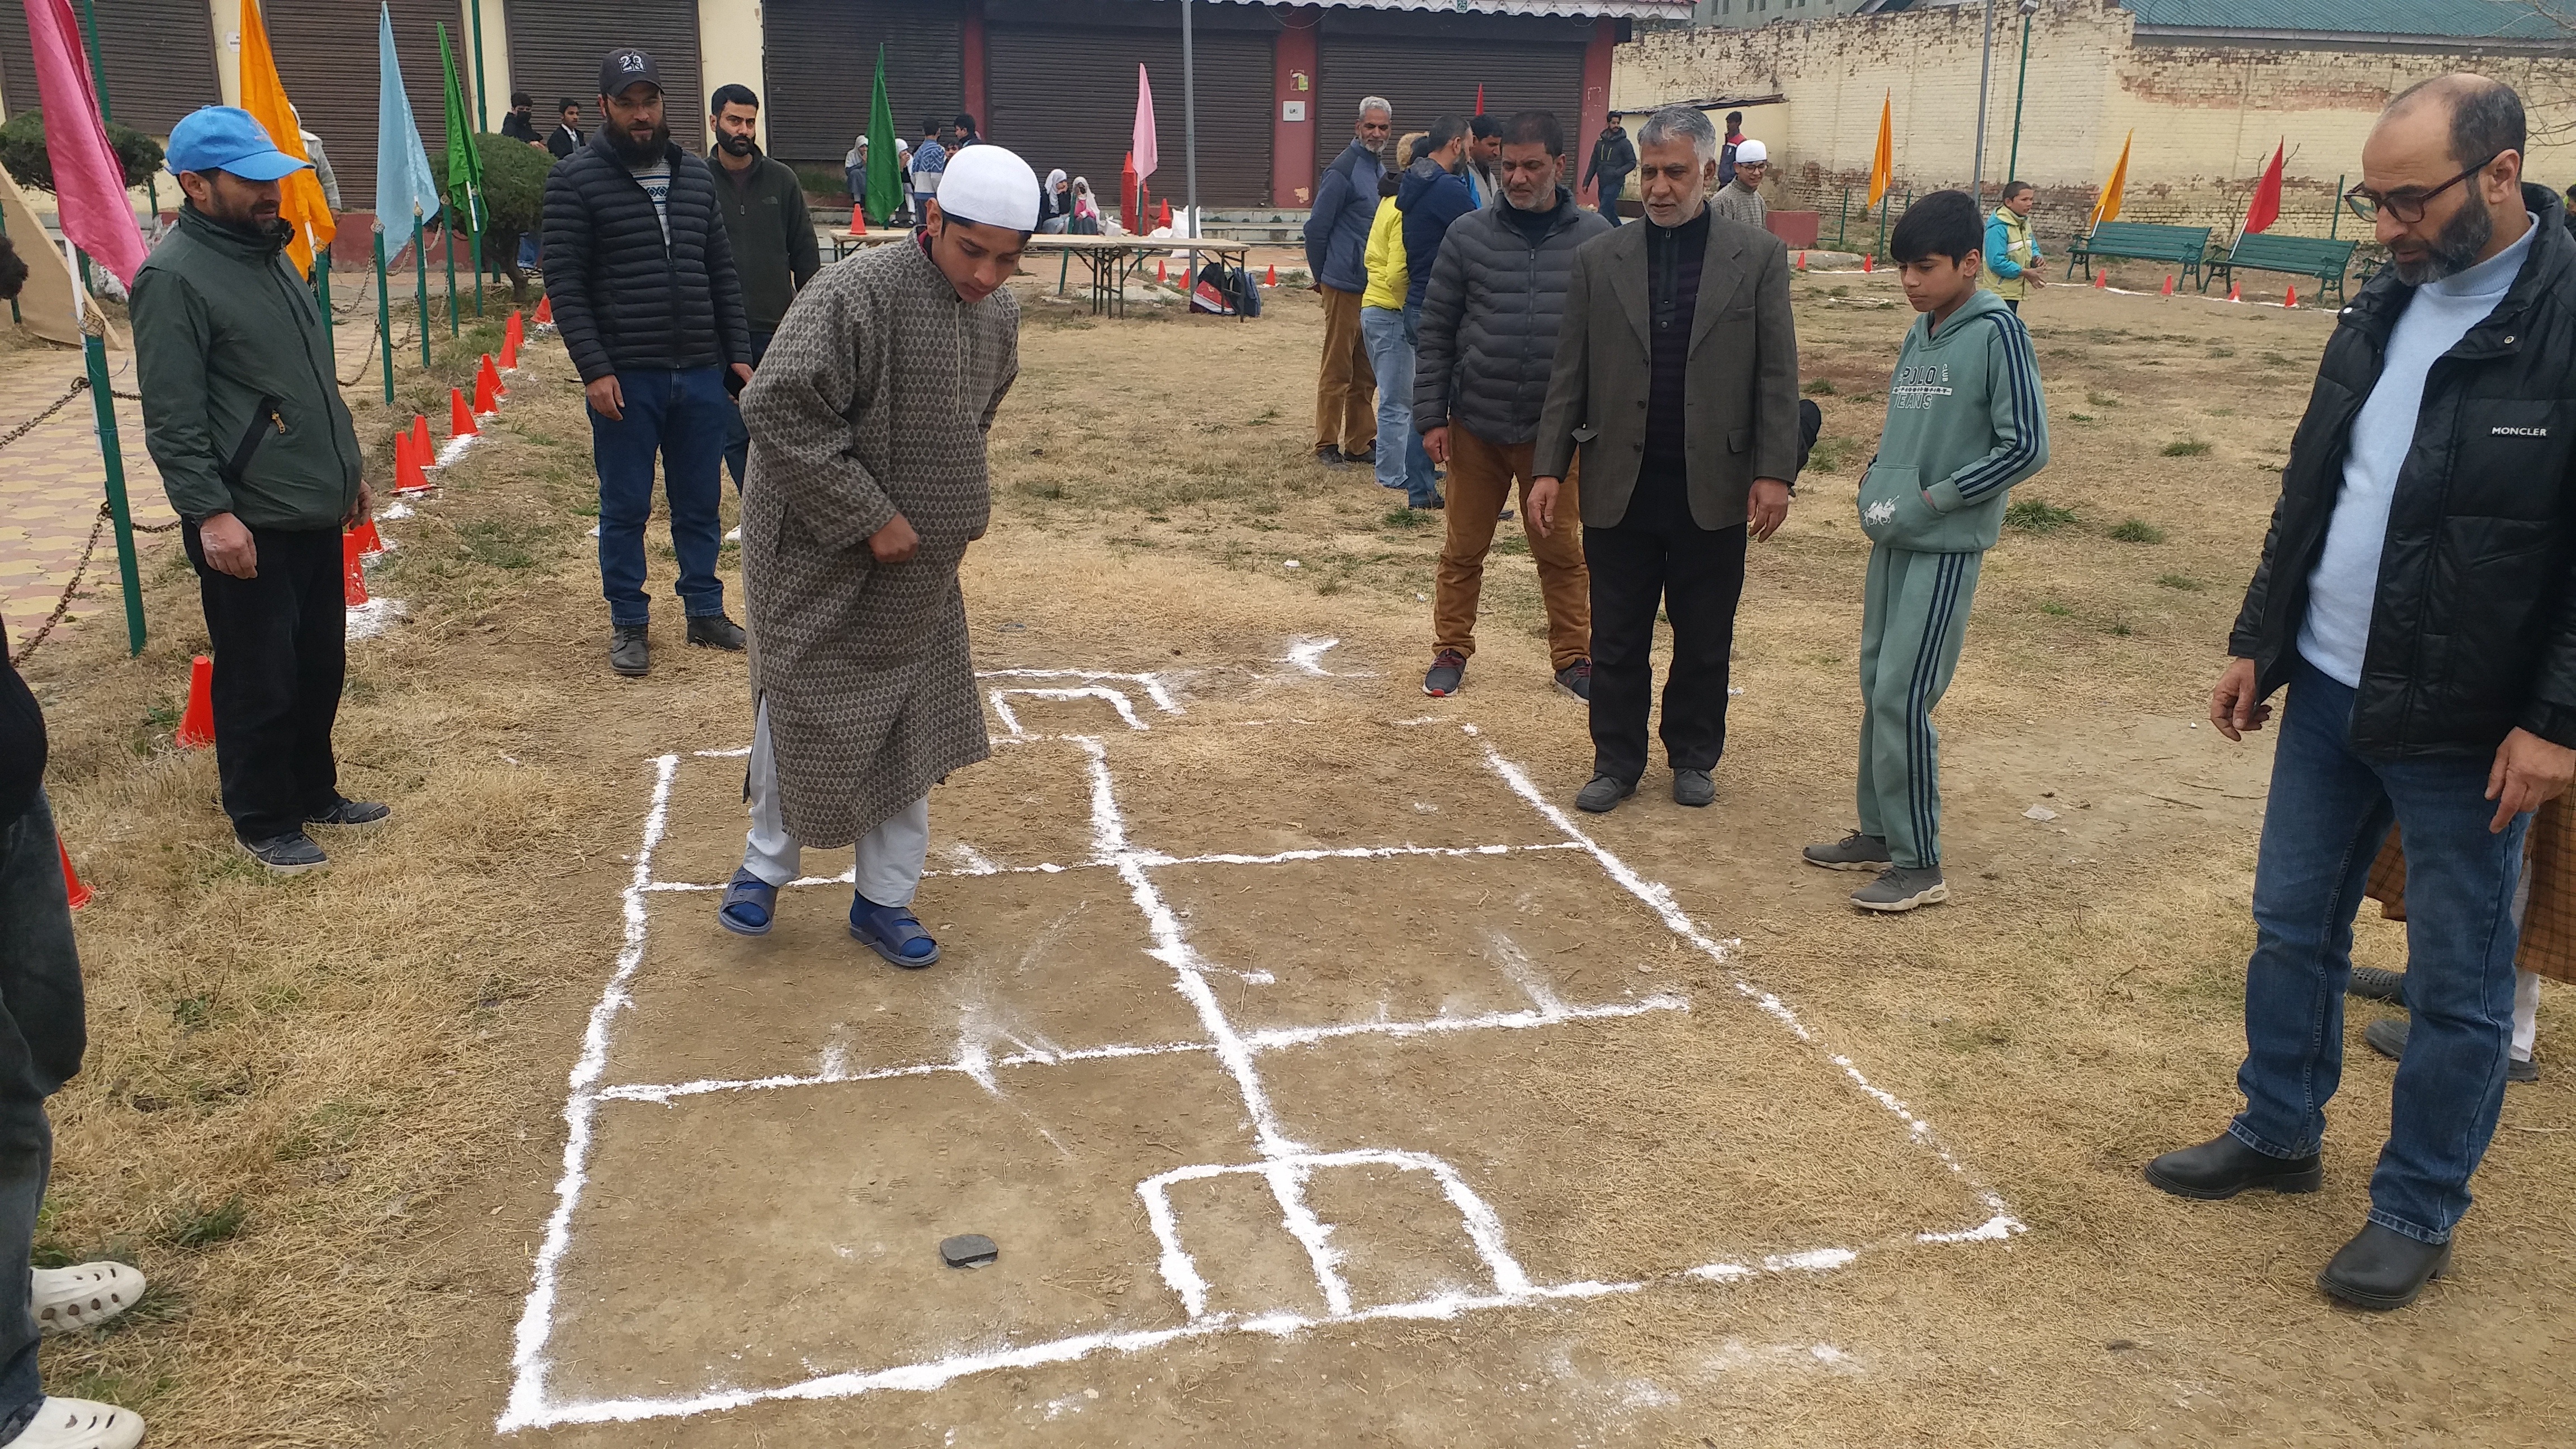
300 200
2108 208
1882 167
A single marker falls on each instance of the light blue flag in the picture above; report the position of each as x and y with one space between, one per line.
403 180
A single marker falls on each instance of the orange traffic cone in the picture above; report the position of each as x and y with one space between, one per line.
545 311
370 542
487 388
2235 293
1272 279
460 419
2168 284
422 453
410 459
2102 279
197 721
1869 262
858 221
353 571
2292 299
1161 272
1802 261
75 894
510 343
1165 219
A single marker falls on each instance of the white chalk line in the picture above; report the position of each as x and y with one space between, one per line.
1117 700
1154 861
528 1364
1658 898
1269 1039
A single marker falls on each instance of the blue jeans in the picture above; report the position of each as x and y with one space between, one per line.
1383 330
527 249
41 1039
680 415
737 451
2330 810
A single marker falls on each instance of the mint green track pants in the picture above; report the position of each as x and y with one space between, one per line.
1913 619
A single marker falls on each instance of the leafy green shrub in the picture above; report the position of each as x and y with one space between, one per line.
22 151
514 199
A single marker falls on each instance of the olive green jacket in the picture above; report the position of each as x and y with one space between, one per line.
241 408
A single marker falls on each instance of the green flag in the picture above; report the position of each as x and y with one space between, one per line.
885 180
464 162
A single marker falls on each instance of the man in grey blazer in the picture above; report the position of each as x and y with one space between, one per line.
1677 375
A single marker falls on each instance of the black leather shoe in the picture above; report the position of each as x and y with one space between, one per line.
2382 1270
2223 1167
715 631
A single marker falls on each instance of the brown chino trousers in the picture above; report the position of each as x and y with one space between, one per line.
1345 411
1480 485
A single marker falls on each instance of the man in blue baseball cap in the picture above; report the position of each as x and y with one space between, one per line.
242 412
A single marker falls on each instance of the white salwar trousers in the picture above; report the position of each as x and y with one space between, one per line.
890 856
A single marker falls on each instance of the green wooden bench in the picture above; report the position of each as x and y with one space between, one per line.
2299 256
2181 246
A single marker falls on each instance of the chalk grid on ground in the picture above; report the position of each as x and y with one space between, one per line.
1284 1164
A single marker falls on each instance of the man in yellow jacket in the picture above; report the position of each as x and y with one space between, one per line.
1386 328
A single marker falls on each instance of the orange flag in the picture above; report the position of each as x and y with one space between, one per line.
2265 208
1882 166
300 201
2108 208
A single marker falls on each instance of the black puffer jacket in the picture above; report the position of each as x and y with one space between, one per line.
625 301
2473 626
1488 333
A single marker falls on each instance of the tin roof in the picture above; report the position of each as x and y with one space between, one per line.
2521 20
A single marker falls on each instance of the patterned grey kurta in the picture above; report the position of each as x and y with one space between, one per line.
873 400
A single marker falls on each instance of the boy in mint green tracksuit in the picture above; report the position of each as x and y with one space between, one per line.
1965 422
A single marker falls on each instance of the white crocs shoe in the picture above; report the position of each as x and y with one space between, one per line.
84 1296
80 1424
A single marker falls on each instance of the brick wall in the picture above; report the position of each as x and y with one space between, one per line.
2205 119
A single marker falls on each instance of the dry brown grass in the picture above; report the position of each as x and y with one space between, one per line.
370 1062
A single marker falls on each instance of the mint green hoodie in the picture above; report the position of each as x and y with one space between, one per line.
1965 422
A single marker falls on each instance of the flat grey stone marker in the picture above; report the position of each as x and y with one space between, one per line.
968 1250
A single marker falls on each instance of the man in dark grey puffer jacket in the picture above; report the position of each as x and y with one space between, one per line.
1487 345
641 273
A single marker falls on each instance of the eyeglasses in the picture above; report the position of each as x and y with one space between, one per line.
2406 203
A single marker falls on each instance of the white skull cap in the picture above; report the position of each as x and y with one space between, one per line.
990 186
1751 153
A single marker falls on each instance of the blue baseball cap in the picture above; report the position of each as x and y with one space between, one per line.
227 138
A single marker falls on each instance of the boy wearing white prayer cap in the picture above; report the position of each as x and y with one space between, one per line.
867 481
1741 198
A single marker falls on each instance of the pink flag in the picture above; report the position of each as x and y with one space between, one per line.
1146 159
89 185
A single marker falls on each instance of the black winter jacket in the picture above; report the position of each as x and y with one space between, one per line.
2473 625
625 301
1487 338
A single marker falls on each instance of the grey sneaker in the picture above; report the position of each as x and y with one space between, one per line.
715 631
1693 788
1448 671
2387 1036
1576 679
630 650
1603 794
1853 852
290 854
345 811
2372 984
1900 889
1330 455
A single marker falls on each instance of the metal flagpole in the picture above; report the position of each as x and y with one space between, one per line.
420 259
385 312
322 295
1190 148
482 107
2012 163
102 404
450 249
1985 73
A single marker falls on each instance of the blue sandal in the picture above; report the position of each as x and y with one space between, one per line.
893 932
750 905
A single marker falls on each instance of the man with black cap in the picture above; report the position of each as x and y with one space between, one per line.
641 274
868 479
243 417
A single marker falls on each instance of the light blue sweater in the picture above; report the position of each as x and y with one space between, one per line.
2346 578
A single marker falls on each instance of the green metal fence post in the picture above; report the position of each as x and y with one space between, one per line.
420 260
102 402
2334 210
385 312
447 234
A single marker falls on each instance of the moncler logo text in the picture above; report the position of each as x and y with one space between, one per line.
2512 432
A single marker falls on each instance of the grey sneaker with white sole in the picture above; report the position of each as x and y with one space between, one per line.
290 854
1853 852
1899 888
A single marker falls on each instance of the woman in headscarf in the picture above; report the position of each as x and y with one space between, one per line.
1086 210
855 167
1055 204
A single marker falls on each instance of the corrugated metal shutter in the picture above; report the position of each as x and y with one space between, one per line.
1067 98
822 58
1427 66
556 47
326 54
159 56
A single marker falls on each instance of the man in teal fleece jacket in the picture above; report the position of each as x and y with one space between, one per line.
1965 422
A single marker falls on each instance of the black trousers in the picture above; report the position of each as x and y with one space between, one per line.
281 648
1659 555
41 1039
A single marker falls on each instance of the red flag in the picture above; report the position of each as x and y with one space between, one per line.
1480 98
2265 208
89 185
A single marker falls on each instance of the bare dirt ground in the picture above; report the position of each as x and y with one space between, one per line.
328 1115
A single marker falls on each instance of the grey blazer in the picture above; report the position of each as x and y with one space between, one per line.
1742 420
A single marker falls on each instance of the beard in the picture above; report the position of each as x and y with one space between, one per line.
640 153
737 145
2454 249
